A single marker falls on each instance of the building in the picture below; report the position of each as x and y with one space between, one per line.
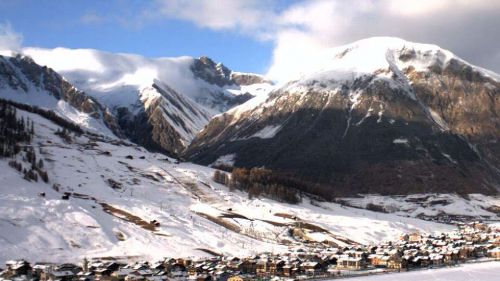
494 253
350 263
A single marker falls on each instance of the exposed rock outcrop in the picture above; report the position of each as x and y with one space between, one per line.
400 129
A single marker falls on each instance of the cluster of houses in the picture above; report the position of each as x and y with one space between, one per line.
412 251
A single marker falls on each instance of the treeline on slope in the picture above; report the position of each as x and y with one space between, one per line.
47 114
13 131
272 184
263 182
15 136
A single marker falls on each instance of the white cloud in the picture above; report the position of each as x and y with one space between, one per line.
466 27
305 27
469 28
253 16
91 17
9 39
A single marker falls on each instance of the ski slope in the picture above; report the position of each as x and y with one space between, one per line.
196 215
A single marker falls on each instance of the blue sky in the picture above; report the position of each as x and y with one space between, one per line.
51 23
273 37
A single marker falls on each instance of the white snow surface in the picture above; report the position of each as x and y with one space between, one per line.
40 97
267 132
126 80
487 271
372 54
227 159
327 71
432 204
179 196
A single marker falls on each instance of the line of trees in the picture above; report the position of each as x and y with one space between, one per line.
16 135
261 182
13 131
47 114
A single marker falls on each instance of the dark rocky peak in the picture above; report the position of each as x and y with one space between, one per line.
23 73
218 74
244 79
206 69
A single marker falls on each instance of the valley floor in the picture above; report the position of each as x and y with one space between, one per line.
487 271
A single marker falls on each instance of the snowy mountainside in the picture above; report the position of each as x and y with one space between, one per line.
381 115
24 81
160 103
104 196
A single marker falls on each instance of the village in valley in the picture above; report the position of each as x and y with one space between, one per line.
470 243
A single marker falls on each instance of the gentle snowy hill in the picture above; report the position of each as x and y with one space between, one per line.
116 189
381 115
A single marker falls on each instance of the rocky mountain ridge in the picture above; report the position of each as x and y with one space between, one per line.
381 115
158 103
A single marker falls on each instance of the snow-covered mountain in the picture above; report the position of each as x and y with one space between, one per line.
159 103
381 115
24 81
104 195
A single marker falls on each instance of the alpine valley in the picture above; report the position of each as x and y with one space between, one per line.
123 156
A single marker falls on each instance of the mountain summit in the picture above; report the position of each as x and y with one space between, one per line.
381 115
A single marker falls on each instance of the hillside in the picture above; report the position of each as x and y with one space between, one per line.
160 103
381 115
103 196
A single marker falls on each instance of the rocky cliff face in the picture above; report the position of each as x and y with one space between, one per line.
30 82
218 74
159 103
415 119
164 120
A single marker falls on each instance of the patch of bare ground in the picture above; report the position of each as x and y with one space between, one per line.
123 215
286 216
231 215
126 216
120 236
493 209
300 224
275 223
208 251
221 222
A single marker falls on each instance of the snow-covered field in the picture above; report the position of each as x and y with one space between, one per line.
488 271
195 213
477 205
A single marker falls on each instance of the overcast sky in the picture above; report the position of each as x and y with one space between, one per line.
265 36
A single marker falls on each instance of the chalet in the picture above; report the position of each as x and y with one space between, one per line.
248 266
378 260
397 262
287 270
311 268
414 237
237 278
494 253
451 256
261 267
121 273
436 259
64 275
17 268
272 267
352 263
134 276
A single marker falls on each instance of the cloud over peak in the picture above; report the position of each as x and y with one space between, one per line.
9 39
466 27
